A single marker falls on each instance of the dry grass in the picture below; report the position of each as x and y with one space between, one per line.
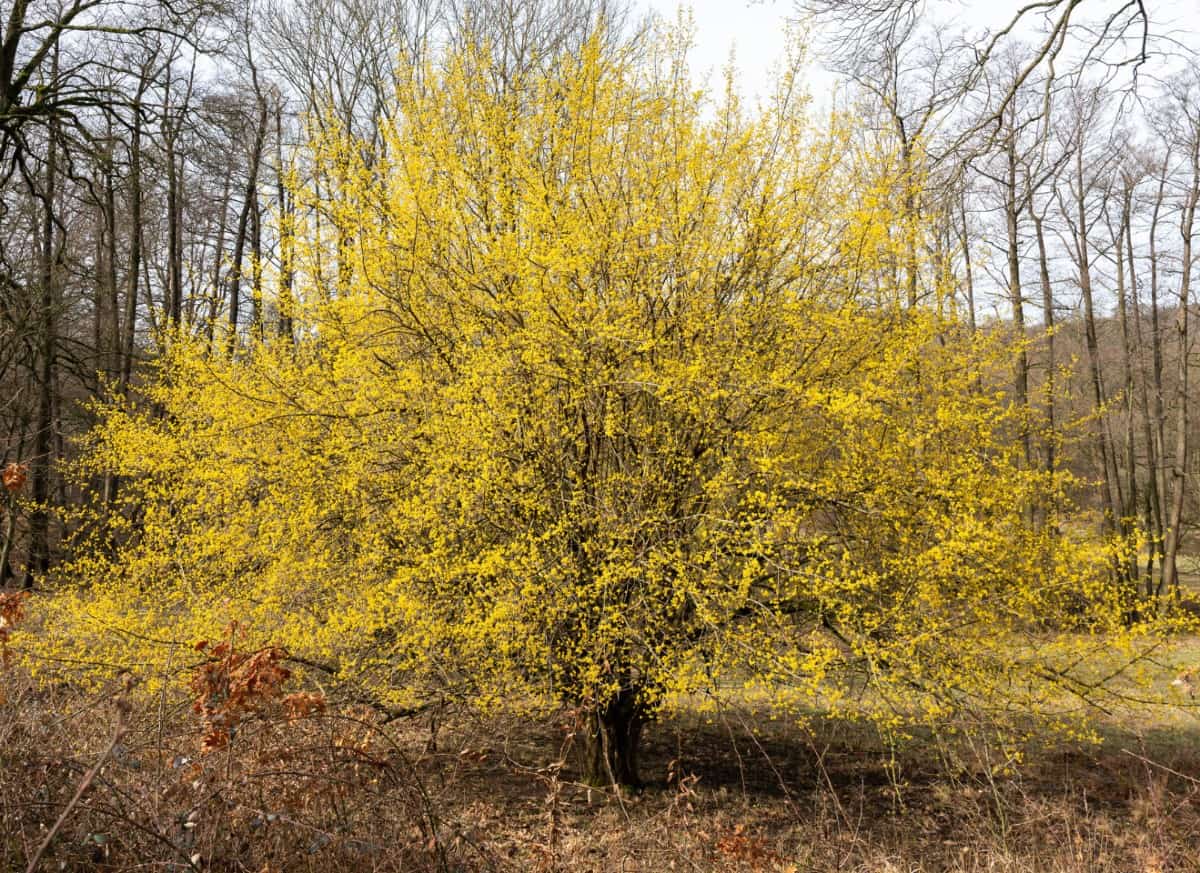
342 789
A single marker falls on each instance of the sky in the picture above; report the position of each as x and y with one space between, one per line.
756 31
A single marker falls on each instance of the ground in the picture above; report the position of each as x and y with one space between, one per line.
732 790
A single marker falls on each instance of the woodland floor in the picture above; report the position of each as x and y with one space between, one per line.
734 791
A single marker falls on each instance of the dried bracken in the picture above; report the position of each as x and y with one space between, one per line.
234 684
12 613
13 477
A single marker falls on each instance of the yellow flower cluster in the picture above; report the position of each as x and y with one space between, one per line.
599 388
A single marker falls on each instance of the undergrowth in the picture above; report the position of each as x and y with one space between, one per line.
249 771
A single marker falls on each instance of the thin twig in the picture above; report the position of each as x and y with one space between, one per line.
123 707
1164 767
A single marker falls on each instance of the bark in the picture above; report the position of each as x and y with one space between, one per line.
43 435
10 530
124 329
1050 460
1152 516
910 217
256 295
1159 395
1017 300
1129 506
1095 370
286 268
172 130
222 226
19 427
1178 478
969 273
174 237
111 328
135 242
612 735
248 201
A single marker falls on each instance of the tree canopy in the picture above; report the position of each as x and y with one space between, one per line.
602 391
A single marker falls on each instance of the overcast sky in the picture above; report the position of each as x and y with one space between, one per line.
756 31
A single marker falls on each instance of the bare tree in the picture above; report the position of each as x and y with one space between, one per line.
1184 102
1117 38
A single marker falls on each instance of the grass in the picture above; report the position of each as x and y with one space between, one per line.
737 791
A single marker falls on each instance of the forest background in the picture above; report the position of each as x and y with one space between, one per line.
379 376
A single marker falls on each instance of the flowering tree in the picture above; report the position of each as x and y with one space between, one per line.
602 392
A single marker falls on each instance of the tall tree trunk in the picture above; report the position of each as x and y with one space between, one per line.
214 299
129 327
174 231
286 230
42 461
99 294
968 269
1051 439
20 426
1159 395
256 293
112 317
1151 503
1129 507
1107 460
10 533
1017 300
910 217
1178 482
248 200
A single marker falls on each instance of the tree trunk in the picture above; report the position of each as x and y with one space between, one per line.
1179 462
111 327
1129 508
174 237
43 442
108 320
1151 501
214 298
1112 484
286 230
1160 415
43 434
612 736
19 427
910 218
10 532
968 270
1017 300
135 242
256 295
248 201
1050 460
